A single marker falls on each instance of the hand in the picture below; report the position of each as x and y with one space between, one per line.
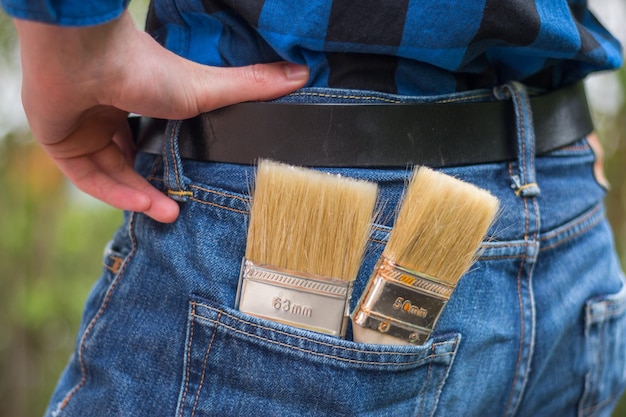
79 84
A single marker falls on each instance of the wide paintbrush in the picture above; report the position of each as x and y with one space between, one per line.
306 240
436 235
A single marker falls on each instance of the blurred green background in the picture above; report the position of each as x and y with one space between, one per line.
52 236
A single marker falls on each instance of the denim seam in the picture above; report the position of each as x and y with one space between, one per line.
425 384
592 320
595 369
599 362
570 231
170 148
537 224
504 245
525 133
501 257
174 154
209 203
520 132
223 194
341 96
512 175
526 220
306 339
462 99
218 206
575 148
531 297
155 168
95 320
242 199
590 411
584 411
325 355
524 259
568 227
188 364
570 237
509 244
443 380
204 363
523 119
384 99
522 331
374 227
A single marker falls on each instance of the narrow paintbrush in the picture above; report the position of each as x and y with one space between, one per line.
306 240
434 241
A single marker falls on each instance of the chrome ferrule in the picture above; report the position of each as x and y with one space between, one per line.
401 303
306 301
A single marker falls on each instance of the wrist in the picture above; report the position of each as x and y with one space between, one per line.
58 55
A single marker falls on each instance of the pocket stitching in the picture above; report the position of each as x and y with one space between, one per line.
204 363
304 338
430 367
574 228
213 317
323 355
320 354
188 367
218 205
614 308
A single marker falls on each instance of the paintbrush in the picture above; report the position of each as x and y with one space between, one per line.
306 240
435 239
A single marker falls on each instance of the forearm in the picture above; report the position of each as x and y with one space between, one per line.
80 83
67 70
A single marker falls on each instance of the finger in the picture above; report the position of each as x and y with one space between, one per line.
224 86
118 185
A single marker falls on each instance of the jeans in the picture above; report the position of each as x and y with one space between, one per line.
537 327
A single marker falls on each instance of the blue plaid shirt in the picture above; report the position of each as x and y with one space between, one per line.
409 47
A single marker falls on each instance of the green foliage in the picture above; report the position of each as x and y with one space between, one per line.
7 37
50 249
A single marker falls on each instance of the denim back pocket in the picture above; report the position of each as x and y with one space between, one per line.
239 365
605 333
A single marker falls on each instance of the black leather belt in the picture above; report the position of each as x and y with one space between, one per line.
373 135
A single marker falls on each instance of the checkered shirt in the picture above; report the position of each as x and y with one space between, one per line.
408 47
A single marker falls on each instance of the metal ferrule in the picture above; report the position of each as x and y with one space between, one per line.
402 303
310 302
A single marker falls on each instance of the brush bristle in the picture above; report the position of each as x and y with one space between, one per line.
308 221
440 226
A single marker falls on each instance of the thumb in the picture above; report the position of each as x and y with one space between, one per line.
161 84
225 86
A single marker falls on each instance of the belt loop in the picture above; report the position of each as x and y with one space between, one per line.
176 184
524 182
